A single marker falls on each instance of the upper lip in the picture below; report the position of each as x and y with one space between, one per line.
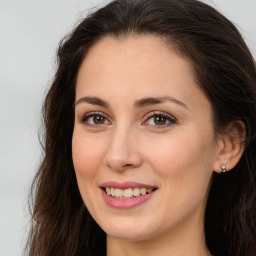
124 185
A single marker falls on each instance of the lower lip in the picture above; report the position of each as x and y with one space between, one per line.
126 203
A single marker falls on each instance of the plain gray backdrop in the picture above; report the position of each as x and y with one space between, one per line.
29 34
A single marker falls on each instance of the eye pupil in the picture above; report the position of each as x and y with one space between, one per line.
98 119
159 120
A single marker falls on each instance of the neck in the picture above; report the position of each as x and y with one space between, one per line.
116 247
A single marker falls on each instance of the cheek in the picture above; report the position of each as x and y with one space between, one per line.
183 165
179 154
184 161
87 155
87 158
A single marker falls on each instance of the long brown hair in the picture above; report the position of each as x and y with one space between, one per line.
225 71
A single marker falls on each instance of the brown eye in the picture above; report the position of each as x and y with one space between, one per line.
98 119
94 119
160 120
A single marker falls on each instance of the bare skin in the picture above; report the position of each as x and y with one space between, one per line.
170 144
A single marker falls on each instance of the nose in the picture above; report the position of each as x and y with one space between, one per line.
122 152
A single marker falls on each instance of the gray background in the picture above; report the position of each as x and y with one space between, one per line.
29 34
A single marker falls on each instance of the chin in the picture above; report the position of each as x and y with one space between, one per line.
128 231
130 236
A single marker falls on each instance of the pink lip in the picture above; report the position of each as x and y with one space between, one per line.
124 185
126 203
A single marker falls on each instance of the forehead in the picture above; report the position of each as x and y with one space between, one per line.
139 66
141 52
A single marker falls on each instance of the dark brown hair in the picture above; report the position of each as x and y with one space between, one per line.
225 71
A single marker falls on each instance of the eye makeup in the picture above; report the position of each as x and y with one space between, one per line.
161 119
94 117
155 119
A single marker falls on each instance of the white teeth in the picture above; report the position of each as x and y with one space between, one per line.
136 191
127 193
143 191
119 192
108 191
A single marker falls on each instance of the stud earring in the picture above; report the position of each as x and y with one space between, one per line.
223 167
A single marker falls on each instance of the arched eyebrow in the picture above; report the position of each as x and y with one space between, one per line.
157 100
93 101
137 104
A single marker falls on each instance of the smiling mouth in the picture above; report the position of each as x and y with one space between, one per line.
128 193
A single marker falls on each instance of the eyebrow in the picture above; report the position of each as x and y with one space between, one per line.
93 101
152 101
137 104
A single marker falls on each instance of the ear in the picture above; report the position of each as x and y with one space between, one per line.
230 146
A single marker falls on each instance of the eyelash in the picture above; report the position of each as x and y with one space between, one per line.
92 114
169 118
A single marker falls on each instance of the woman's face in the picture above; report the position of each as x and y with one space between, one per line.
142 122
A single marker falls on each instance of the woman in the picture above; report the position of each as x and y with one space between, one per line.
150 136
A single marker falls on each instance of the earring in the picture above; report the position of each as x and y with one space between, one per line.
223 167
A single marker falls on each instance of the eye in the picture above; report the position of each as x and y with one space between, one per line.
94 119
159 120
